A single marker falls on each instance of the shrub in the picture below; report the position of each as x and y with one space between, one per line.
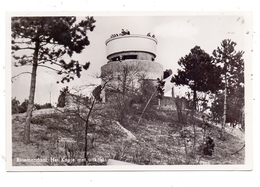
37 120
207 147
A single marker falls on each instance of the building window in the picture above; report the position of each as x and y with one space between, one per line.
129 57
117 58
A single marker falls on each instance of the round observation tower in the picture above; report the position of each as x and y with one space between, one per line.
133 52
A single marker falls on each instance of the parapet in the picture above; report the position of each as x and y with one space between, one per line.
132 43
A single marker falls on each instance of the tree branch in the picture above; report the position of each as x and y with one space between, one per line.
16 49
50 61
238 150
23 42
146 106
20 74
48 67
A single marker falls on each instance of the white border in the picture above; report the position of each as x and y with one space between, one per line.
248 81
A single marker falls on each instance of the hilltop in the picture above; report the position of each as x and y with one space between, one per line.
158 139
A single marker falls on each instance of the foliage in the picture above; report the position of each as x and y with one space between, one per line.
15 105
55 37
47 40
161 83
167 73
234 108
232 74
46 105
159 142
23 106
159 87
97 93
208 146
231 63
62 97
198 73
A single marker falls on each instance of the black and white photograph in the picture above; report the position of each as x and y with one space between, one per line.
131 91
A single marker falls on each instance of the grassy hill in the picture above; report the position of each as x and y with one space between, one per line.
57 138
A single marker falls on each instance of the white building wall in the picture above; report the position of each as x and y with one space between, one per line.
131 43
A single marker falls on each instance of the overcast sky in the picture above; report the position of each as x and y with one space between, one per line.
176 35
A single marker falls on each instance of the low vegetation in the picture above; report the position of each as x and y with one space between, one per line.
57 138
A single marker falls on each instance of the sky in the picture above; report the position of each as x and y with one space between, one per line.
176 35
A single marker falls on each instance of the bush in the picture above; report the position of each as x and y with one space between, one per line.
46 105
208 146
15 105
37 120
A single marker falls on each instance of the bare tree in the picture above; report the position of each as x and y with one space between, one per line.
86 109
123 88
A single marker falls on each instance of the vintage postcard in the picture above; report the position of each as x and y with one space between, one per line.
132 91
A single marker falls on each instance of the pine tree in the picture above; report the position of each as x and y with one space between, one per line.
232 74
48 40
198 73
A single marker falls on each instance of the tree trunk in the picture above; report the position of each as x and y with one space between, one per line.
86 131
30 105
86 143
225 108
194 132
194 98
242 121
31 95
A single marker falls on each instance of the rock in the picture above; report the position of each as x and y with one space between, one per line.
129 135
